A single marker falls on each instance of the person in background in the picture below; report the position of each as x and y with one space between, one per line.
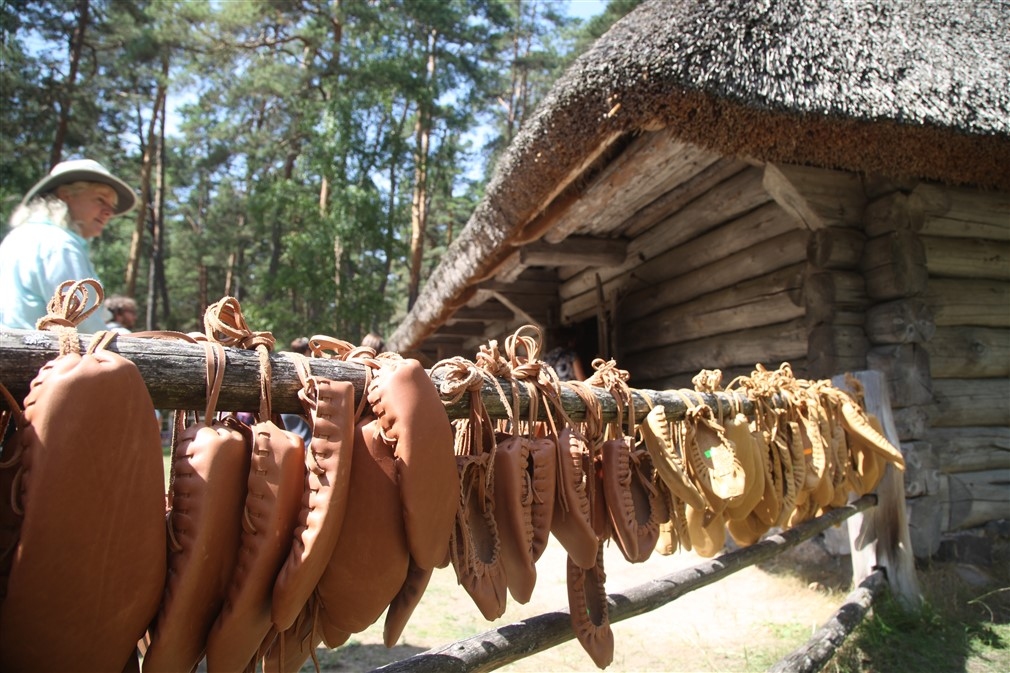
48 241
563 358
124 313
294 422
374 341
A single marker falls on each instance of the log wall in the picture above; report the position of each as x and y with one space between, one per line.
937 264
833 273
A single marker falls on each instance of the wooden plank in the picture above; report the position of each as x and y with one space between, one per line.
493 649
731 199
900 321
765 300
972 449
968 402
969 352
816 197
967 258
653 164
979 303
644 379
575 250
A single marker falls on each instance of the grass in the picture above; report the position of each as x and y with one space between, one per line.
963 626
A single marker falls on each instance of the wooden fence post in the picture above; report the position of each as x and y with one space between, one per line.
879 538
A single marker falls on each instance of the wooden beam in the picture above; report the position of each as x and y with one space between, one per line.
816 197
653 164
900 321
895 266
969 402
175 373
969 352
575 251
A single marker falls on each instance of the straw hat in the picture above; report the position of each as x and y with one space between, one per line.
83 170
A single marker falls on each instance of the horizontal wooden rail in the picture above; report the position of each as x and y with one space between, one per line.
496 648
175 375
813 655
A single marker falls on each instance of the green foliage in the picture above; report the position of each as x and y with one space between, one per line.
298 135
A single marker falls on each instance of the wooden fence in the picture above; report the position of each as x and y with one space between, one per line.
877 525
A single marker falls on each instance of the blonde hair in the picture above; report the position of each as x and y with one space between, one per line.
50 207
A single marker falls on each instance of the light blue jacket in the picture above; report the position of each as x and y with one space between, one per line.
34 259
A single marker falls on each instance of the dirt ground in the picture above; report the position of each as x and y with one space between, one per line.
745 622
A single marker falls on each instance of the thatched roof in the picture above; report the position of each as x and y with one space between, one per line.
916 89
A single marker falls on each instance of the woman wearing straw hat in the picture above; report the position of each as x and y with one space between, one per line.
48 241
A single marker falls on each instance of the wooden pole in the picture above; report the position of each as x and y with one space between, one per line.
496 648
175 374
880 538
811 657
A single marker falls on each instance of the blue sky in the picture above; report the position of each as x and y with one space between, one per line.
585 9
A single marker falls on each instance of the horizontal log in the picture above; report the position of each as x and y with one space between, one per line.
900 321
817 651
736 196
981 303
575 251
681 194
967 257
493 649
969 352
768 344
971 449
760 301
175 375
970 402
975 498
760 259
958 212
683 380
670 162
817 197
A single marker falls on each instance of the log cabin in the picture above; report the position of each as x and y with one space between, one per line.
721 183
